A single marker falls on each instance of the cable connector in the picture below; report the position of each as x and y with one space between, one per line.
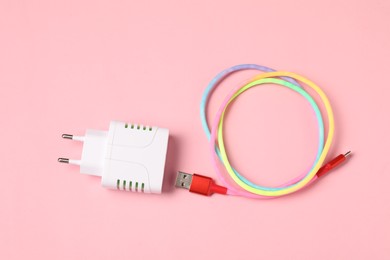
198 184
333 164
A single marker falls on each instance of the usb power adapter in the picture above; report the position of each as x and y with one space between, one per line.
127 157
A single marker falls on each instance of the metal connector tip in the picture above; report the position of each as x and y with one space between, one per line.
183 180
347 154
63 160
67 136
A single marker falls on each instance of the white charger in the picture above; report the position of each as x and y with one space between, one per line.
128 157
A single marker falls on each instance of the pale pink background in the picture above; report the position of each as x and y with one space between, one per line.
70 65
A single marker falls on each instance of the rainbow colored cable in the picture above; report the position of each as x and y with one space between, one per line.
215 136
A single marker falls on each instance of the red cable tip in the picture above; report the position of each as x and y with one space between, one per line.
333 164
198 184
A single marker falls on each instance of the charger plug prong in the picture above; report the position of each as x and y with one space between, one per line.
63 160
70 161
73 137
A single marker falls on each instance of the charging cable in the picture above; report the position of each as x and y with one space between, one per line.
206 186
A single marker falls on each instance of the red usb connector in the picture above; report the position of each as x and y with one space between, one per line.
198 184
332 164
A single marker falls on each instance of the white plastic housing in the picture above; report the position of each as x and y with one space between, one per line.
128 157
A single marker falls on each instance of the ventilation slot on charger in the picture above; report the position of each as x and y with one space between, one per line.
136 187
138 127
